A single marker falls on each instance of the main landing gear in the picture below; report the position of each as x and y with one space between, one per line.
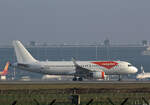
119 78
77 79
74 79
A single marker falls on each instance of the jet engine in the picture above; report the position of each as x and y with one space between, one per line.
98 75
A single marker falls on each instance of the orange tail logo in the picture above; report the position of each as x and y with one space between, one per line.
4 72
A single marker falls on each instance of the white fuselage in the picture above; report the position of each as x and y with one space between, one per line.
94 69
143 76
68 68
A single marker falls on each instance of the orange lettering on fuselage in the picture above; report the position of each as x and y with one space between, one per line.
106 64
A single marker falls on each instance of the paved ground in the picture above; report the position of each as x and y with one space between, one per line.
73 82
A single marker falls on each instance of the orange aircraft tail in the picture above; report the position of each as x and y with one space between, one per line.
5 71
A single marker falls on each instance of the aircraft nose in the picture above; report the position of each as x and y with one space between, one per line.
134 69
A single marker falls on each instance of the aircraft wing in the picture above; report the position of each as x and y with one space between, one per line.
80 70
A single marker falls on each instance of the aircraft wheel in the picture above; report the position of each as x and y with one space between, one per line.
120 79
80 79
74 79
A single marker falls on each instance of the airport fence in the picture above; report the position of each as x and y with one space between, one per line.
75 96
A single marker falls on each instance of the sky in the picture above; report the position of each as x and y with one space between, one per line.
123 21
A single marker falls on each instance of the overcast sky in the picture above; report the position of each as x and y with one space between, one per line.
74 20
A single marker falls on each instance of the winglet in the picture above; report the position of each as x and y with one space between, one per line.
142 69
74 61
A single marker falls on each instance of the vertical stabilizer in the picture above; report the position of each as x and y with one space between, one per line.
142 69
4 72
23 56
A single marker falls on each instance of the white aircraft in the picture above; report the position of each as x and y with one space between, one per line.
79 69
143 75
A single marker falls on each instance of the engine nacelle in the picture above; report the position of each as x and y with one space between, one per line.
98 75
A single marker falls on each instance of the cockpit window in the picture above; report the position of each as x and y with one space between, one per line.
129 65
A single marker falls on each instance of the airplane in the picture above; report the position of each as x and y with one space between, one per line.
5 71
143 75
79 69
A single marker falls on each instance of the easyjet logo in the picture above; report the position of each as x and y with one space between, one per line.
106 64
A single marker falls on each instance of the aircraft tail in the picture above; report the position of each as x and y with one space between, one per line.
23 56
142 69
5 71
